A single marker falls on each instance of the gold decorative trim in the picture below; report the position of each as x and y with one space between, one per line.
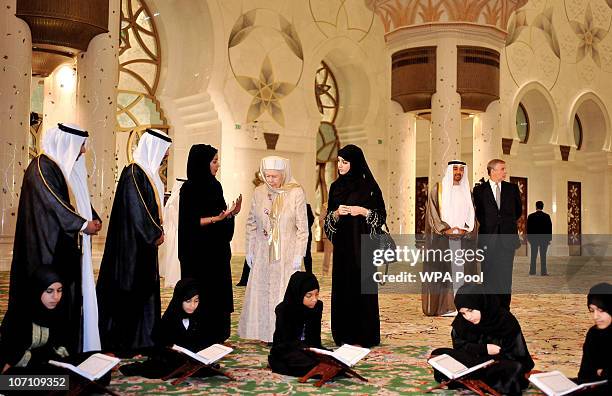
142 198
50 189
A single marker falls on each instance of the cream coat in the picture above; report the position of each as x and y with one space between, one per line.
268 279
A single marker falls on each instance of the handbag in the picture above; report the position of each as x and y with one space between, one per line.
385 242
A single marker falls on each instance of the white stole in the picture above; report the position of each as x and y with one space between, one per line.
91 334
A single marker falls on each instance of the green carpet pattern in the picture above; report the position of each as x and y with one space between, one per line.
554 326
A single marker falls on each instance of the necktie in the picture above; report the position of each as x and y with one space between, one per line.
497 194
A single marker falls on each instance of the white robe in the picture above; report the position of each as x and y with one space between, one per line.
459 213
268 279
91 335
169 264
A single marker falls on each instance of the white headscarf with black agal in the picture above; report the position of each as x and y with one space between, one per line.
63 145
451 210
149 154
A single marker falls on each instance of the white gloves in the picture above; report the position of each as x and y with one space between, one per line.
249 260
297 263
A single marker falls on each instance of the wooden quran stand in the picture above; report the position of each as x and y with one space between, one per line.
476 386
328 368
191 367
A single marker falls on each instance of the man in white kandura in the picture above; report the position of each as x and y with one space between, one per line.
449 226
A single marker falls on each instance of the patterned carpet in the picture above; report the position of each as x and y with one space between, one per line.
554 326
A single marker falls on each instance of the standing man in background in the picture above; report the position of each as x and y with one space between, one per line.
539 235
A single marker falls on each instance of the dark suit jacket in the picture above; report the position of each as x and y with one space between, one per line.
492 220
539 227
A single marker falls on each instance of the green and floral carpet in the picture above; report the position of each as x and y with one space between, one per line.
554 326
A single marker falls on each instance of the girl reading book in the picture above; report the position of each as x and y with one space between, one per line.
31 335
298 326
597 350
483 330
182 324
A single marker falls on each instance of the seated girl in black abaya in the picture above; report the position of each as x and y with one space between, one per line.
597 349
182 324
31 335
298 326
483 330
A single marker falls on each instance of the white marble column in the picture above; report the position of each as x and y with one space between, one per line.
96 110
402 170
60 96
445 139
558 212
15 79
486 139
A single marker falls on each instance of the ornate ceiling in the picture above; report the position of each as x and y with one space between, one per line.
396 14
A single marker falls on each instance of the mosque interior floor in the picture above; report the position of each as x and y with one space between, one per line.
554 325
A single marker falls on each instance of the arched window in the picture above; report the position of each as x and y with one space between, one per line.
326 93
522 123
139 71
327 97
577 132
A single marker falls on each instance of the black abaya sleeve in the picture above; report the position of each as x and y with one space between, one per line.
588 369
515 348
94 215
54 193
46 232
144 211
189 225
465 343
15 339
286 331
313 326
224 229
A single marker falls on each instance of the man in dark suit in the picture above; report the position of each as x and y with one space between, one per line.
539 235
498 207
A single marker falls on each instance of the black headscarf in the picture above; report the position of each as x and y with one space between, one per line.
495 320
600 295
41 279
200 181
300 283
16 328
357 186
184 290
170 330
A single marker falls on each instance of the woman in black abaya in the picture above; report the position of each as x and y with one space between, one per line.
30 336
206 227
355 207
298 326
484 330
